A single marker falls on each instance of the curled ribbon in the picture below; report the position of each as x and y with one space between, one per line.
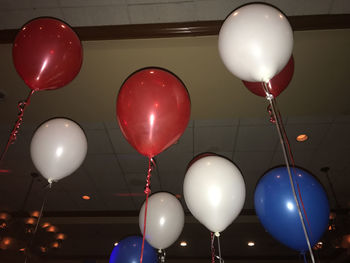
13 136
151 164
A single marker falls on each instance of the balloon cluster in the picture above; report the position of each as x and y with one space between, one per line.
47 54
255 44
153 110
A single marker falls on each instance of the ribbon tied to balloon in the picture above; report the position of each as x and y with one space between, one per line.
153 110
47 55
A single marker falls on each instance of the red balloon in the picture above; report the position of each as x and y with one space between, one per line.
47 54
277 84
153 110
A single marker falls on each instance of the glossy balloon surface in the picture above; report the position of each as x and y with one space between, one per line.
276 85
58 148
128 250
165 220
153 110
47 54
214 192
255 42
277 210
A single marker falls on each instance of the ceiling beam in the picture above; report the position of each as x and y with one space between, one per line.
187 29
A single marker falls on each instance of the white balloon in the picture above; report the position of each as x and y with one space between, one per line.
255 42
165 220
214 192
58 148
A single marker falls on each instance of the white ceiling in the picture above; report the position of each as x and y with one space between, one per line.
13 14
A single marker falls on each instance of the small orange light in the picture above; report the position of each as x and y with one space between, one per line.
30 221
35 214
183 243
55 245
251 244
45 225
5 216
178 196
52 229
22 249
7 241
302 137
116 244
61 236
86 197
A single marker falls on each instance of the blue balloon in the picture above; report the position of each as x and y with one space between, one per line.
129 250
277 211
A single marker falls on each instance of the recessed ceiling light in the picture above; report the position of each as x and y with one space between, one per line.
45 225
86 197
302 137
251 244
183 244
60 236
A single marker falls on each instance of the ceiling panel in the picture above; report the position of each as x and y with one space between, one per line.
133 163
253 160
337 137
256 138
98 142
118 200
120 144
173 162
340 7
156 12
214 139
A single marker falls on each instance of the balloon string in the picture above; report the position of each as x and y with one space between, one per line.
151 163
212 247
279 124
38 220
305 260
219 248
13 136
287 144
